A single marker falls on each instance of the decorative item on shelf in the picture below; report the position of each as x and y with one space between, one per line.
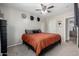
71 21
31 18
59 23
38 19
23 15
1 15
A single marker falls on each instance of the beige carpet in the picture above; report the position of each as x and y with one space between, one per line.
65 49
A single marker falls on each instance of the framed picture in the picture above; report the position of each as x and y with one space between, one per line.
38 19
31 18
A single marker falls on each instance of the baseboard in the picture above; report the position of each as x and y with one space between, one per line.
14 45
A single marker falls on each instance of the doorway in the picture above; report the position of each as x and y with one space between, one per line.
71 30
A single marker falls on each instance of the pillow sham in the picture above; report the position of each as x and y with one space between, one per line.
28 32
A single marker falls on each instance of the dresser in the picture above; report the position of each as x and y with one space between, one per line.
3 36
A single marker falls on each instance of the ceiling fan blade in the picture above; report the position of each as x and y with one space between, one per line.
38 9
42 4
50 7
48 11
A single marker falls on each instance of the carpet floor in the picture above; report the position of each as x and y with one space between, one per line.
65 49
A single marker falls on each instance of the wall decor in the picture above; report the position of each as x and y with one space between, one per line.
38 19
59 23
23 15
31 18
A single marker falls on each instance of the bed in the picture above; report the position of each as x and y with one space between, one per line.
39 41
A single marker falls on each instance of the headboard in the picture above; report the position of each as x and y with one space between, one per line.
32 31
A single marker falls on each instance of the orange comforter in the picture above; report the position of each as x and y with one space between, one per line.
40 40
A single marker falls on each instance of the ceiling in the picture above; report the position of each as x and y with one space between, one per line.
59 8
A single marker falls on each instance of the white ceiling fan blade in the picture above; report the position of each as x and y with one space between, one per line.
42 4
48 11
43 7
50 7
38 9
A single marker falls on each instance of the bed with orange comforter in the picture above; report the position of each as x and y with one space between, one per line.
40 41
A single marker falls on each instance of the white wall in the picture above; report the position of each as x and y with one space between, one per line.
53 26
16 25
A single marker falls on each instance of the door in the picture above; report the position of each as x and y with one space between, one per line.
71 31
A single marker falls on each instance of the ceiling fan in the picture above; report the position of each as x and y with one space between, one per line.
45 8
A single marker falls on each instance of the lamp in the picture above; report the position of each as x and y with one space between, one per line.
44 12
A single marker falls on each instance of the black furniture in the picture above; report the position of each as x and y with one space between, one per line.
76 12
3 36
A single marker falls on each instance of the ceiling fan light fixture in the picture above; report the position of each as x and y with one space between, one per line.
44 12
45 9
